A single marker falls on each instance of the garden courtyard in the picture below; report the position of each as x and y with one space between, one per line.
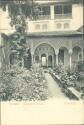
40 84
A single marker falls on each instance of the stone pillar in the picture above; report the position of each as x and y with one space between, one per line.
56 53
40 63
47 59
53 60
32 56
32 53
70 58
52 11
82 54
0 40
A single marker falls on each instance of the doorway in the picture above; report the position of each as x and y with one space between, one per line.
43 60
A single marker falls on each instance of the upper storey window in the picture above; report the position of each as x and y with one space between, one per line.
67 9
63 11
44 12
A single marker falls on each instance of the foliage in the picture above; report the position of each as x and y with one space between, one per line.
20 53
27 59
21 84
19 12
6 87
26 8
67 76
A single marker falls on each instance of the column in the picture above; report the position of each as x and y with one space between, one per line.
52 60
32 56
0 52
0 40
56 53
40 59
32 52
70 58
52 11
82 54
47 59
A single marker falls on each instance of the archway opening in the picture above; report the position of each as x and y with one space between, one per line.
43 60
63 57
37 59
46 55
12 59
50 61
77 54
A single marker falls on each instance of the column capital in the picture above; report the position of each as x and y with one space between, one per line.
70 51
57 52
32 52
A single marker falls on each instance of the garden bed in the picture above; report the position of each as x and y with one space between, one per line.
22 84
68 83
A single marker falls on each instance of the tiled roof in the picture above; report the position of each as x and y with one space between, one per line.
52 33
58 1
81 29
56 33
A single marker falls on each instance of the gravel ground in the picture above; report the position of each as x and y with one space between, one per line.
53 88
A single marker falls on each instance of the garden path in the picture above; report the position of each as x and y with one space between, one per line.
53 88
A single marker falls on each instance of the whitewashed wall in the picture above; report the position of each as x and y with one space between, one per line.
74 23
5 23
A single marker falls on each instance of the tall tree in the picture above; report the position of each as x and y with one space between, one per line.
19 11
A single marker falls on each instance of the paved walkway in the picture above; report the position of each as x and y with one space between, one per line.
53 88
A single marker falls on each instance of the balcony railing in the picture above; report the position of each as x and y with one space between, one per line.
42 17
56 16
63 16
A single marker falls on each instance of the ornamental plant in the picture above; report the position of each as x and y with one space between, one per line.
22 84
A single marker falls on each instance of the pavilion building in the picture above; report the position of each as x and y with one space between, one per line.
56 35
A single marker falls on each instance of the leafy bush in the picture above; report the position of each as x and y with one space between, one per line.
6 88
21 84
68 77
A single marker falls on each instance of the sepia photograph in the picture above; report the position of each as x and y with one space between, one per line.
41 52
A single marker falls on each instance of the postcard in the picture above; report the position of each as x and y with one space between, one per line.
41 62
